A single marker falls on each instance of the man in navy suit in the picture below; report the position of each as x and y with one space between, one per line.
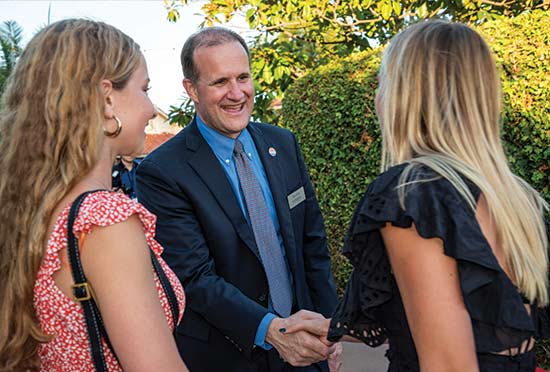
192 183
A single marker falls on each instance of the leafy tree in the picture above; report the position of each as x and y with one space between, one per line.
10 49
294 36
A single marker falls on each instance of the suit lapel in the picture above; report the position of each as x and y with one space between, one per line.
274 172
207 167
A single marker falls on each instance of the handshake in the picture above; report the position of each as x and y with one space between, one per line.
301 340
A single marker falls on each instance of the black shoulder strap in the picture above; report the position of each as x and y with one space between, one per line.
83 293
168 289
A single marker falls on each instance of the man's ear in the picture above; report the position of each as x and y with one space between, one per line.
191 90
106 87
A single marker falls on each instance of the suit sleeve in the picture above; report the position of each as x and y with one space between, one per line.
222 304
316 255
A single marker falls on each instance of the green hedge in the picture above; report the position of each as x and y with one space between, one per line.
331 111
522 49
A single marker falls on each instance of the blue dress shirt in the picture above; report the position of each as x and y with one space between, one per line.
222 147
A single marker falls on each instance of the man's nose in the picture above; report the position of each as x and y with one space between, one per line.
236 92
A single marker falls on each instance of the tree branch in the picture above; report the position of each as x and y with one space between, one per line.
503 3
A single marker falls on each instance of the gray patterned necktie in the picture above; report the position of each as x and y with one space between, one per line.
264 232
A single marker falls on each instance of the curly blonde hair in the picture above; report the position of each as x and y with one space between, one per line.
439 104
50 137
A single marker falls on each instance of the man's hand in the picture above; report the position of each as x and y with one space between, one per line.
299 348
314 324
317 325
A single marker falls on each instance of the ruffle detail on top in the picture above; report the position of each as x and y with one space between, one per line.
101 208
107 208
499 318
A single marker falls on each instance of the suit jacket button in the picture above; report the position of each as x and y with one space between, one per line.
262 297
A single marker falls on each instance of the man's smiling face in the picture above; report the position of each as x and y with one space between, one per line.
224 90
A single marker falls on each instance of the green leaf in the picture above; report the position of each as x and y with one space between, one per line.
173 15
385 9
278 72
422 11
250 15
396 7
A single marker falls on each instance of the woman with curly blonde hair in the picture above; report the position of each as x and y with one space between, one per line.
76 99
449 247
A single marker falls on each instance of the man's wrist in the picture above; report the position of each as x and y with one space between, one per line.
276 328
261 333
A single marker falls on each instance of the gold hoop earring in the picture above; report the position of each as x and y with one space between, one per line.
116 132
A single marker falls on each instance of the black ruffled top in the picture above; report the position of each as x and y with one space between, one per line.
372 310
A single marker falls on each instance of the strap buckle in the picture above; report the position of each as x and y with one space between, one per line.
82 292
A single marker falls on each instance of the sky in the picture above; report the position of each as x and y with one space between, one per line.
143 20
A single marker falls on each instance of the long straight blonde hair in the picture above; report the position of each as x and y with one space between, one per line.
50 137
439 104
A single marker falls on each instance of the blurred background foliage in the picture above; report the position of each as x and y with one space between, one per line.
10 48
292 37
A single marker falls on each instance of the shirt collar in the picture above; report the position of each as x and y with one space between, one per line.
222 145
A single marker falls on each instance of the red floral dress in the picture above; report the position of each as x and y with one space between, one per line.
62 317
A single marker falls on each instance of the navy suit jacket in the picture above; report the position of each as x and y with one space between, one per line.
211 247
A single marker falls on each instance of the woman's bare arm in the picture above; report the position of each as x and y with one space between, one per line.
117 263
429 286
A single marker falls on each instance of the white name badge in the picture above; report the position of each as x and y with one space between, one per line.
296 197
